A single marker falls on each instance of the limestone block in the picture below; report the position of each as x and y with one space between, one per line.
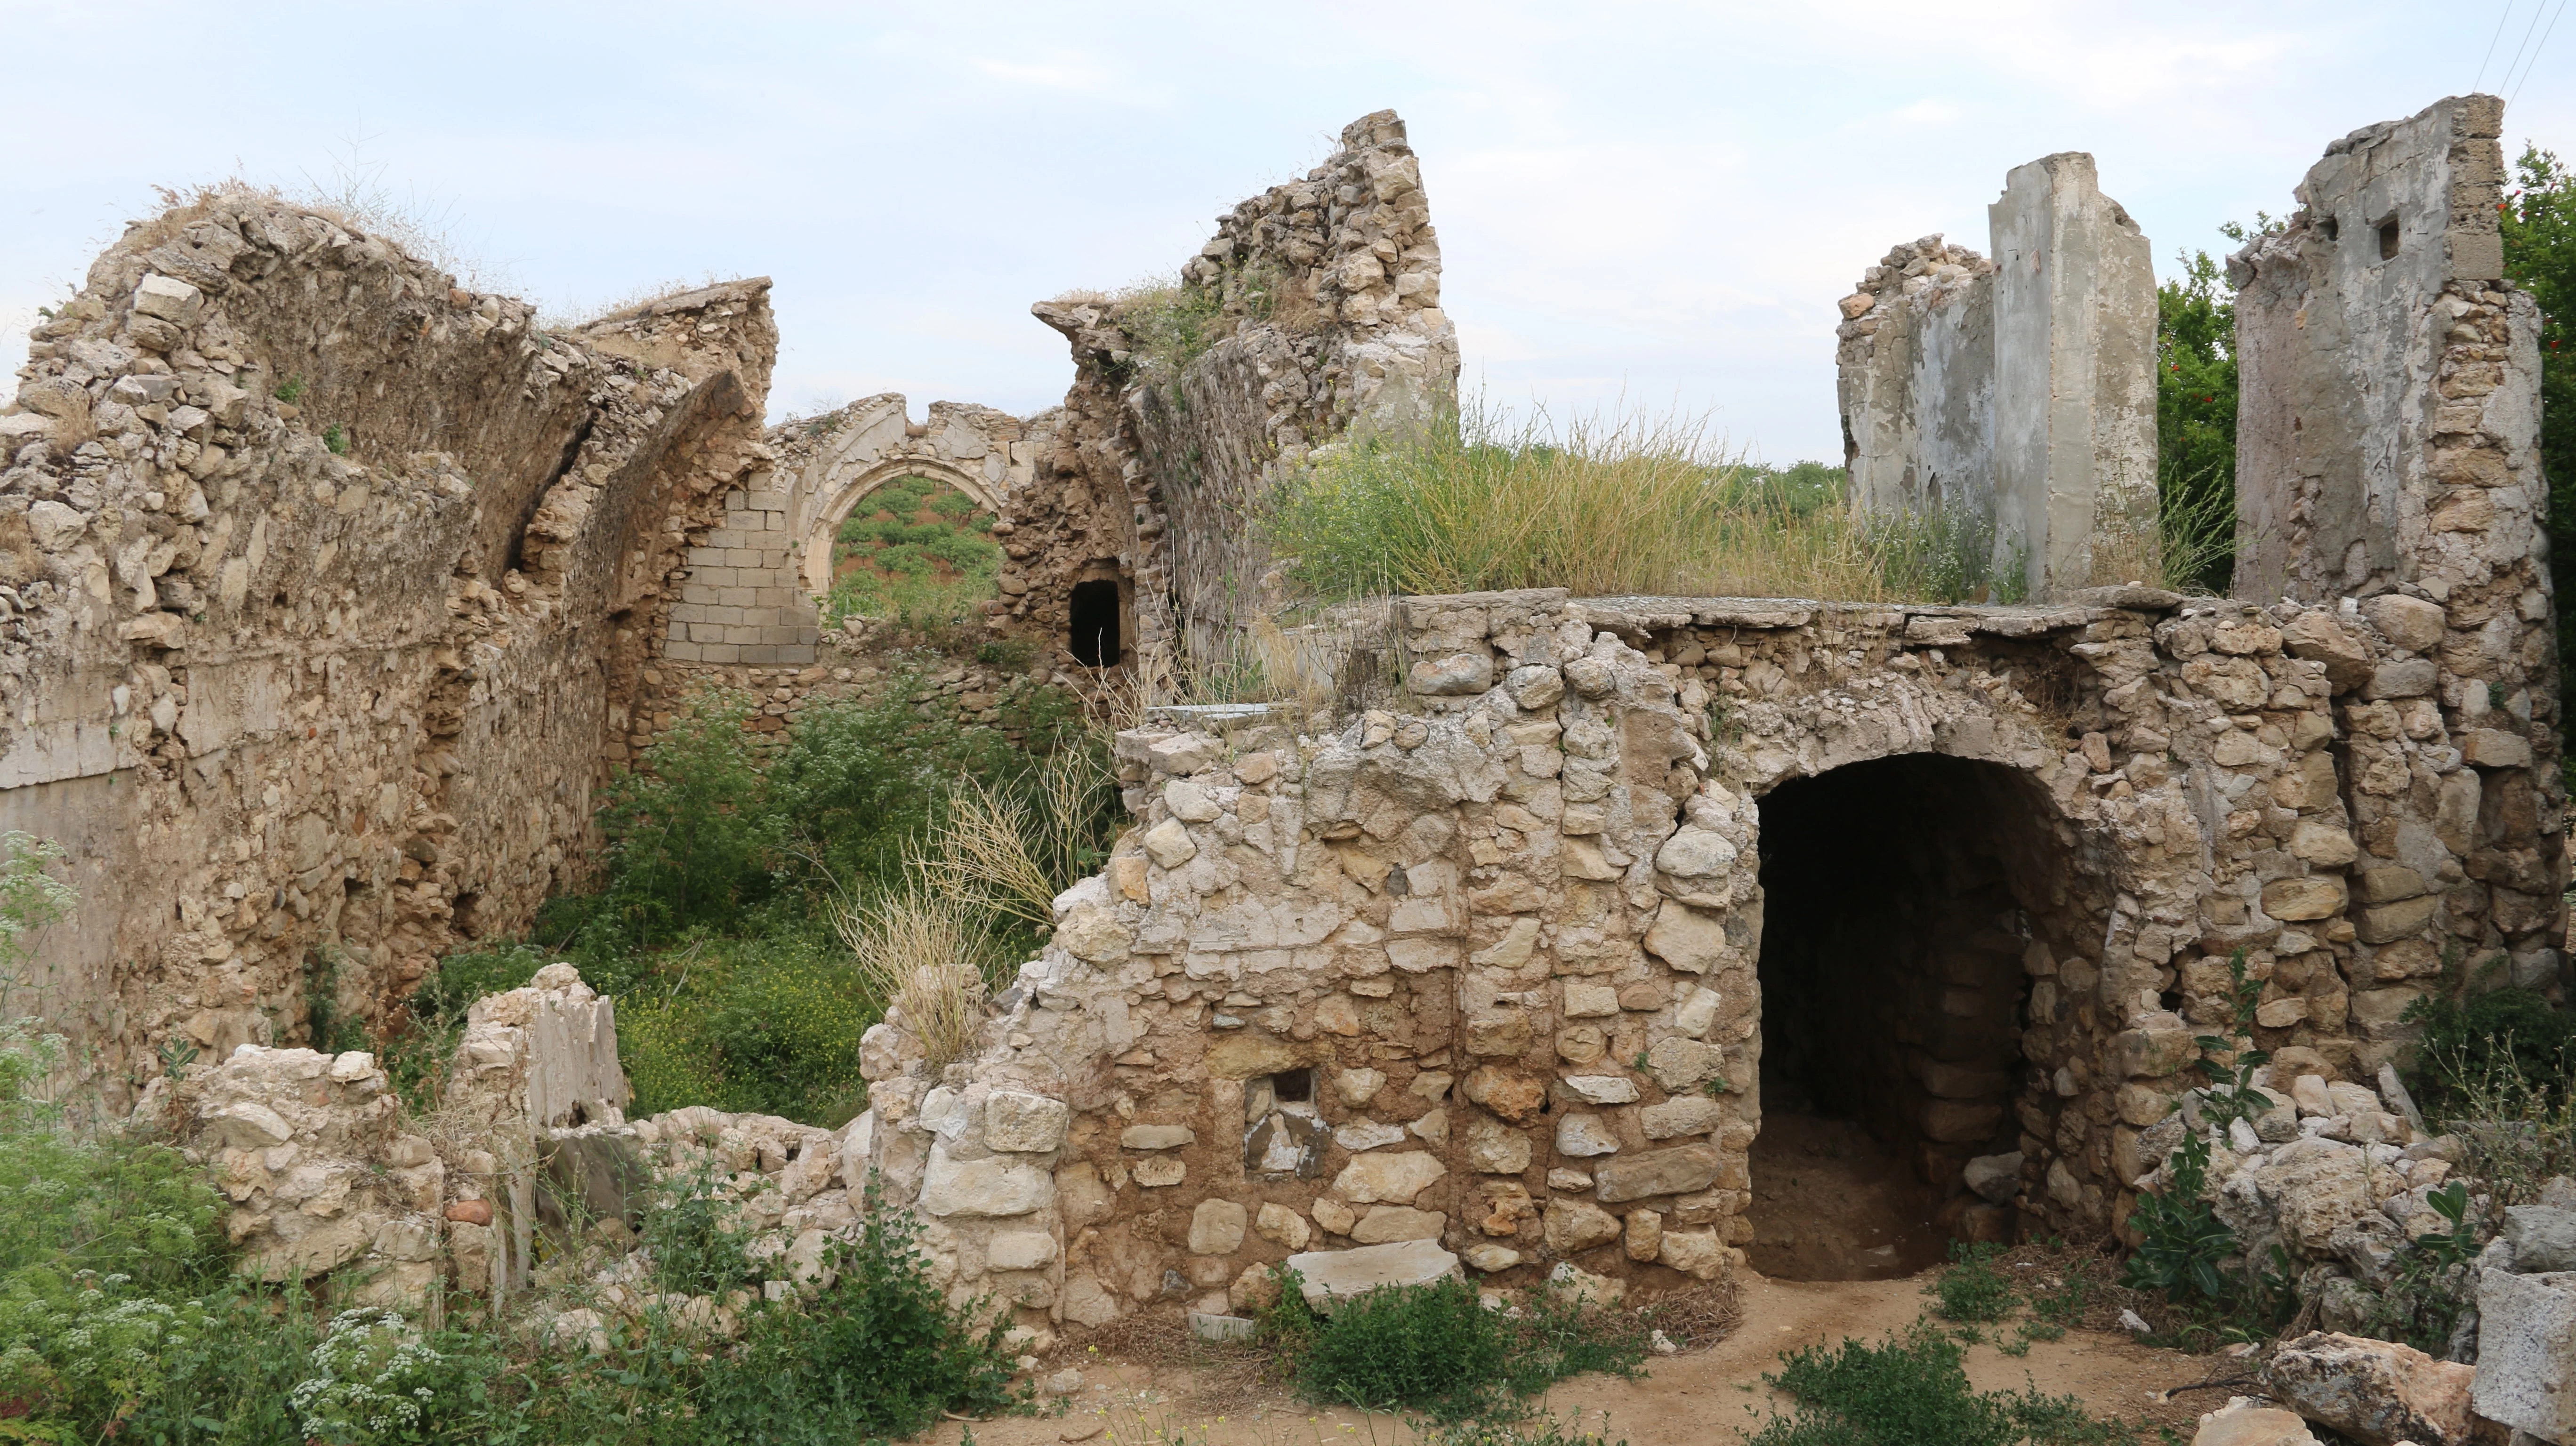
1020 1250
1336 1217
1681 1115
1169 844
1390 1176
2542 1238
1456 675
1573 1285
1189 802
1280 1225
1681 1064
1688 939
1216 1227
991 1187
1020 1122
1584 1135
1645 1235
1535 687
1366 1134
1495 1148
1696 1253
2243 1423
1695 853
1358 1086
2527 1353
2409 622
1590 1001
1603 1089
1514 1094
1995 1178
1156 1137
1489 1257
1574 1225
1384 1223
2377 1392
1697 1011
1675 1170
2153 1053
1332 1276
2315 896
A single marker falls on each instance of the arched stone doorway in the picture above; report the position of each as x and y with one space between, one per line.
845 499
1901 896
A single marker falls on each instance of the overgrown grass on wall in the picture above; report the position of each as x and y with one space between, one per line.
1635 505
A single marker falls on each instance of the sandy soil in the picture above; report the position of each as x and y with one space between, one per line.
1830 1203
1696 1398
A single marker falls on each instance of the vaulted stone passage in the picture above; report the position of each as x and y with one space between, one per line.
1898 904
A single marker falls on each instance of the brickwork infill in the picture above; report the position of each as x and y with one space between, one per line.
741 602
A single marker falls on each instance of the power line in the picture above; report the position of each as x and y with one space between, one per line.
2534 62
2491 45
2509 65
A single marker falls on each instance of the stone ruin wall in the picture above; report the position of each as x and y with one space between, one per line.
1331 291
2019 389
312 690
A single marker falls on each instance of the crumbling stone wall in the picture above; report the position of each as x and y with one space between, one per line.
329 585
2388 455
2020 389
1479 974
1330 320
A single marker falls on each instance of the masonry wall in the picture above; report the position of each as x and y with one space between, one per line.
329 582
1331 288
2387 455
2018 390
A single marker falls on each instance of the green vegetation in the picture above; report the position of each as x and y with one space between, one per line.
1911 1390
731 864
2539 223
1971 1291
2196 422
1436 1349
917 552
1626 507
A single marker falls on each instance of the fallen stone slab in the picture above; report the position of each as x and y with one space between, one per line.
2526 1372
2243 1423
2376 1392
1332 1276
1220 1327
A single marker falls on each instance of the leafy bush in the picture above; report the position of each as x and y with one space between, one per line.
1435 1348
878 1354
1912 1391
696 1235
1971 1290
376 1382
689 841
2471 1040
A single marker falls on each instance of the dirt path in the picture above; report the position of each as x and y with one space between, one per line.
1696 1399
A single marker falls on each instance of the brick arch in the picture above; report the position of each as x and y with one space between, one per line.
842 496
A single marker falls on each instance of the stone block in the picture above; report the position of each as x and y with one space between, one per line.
2526 1371
1385 1223
2376 1392
1024 1123
1577 1225
2243 1423
993 1187
1329 1277
1394 1177
1676 1170
1217 1226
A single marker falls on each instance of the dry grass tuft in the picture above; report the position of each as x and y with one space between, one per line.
928 956
1010 853
1696 1317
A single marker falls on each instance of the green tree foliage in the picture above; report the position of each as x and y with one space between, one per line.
2196 420
2539 221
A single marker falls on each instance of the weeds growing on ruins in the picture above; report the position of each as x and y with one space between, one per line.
1626 506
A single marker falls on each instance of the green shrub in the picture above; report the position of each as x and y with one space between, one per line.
878 1354
376 1382
696 1235
689 838
1435 1348
1913 1391
1971 1290
2470 1040
769 1025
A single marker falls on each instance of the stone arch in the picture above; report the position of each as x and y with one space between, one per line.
1927 895
841 495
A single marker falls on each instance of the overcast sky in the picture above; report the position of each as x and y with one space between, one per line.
1655 202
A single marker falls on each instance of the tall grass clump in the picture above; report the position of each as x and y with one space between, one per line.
929 956
1629 505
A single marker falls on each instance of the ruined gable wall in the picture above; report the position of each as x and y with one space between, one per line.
300 712
2388 457
1915 376
1331 300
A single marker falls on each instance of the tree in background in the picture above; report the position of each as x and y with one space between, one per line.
2196 420
2540 257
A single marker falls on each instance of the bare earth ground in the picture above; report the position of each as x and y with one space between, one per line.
1697 1398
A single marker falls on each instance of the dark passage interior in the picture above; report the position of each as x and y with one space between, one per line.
1094 626
1896 908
